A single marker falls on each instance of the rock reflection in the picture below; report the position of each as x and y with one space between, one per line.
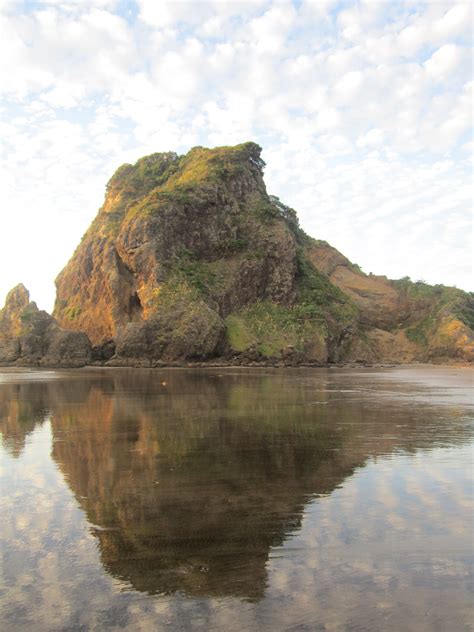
22 408
190 483
188 479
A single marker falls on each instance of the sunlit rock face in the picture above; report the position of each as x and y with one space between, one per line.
31 337
190 258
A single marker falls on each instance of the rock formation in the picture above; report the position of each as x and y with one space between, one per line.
401 320
189 258
180 244
31 337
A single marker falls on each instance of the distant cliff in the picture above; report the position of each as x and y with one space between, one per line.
189 259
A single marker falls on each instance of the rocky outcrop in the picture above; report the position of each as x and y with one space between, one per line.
188 329
189 258
180 254
401 320
31 337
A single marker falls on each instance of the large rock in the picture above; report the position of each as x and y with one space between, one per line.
189 257
31 337
193 333
65 348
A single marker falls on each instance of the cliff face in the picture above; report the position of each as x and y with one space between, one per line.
190 258
29 336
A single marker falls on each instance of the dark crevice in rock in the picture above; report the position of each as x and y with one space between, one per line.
135 308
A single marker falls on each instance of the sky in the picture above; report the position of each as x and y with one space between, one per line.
363 111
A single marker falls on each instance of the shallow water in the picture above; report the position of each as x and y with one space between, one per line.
305 499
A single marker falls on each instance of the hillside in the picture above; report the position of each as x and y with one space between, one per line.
400 320
190 259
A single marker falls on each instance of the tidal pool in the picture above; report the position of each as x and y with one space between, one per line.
237 499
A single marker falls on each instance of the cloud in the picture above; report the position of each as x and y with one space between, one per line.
456 21
209 14
270 31
442 63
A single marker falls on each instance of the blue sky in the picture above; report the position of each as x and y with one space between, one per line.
363 110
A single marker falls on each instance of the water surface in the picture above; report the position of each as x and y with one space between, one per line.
305 499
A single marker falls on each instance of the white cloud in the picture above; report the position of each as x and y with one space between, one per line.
270 30
171 13
327 118
443 61
348 87
372 138
456 21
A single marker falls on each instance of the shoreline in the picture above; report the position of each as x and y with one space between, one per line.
249 365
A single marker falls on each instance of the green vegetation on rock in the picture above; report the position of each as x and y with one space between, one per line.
318 297
273 329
